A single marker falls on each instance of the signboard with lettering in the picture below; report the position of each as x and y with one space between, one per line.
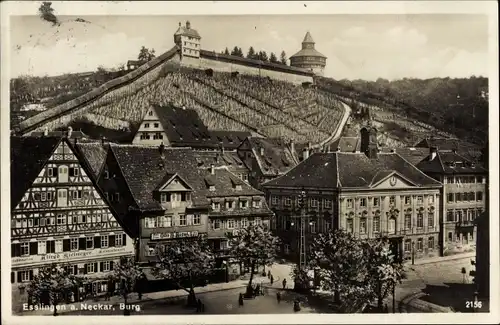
174 235
73 256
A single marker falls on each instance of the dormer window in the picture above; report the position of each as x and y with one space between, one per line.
150 113
106 174
156 125
243 204
215 206
146 125
256 204
229 205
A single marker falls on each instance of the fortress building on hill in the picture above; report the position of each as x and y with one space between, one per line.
309 58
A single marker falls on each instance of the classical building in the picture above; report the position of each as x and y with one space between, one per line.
166 194
180 127
60 216
370 194
463 196
308 57
267 158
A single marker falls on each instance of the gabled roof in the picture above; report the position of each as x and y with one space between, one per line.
95 154
450 163
28 155
168 179
413 155
60 134
144 168
349 170
347 144
229 139
446 144
277 157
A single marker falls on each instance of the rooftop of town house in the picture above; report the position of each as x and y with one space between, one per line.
450 163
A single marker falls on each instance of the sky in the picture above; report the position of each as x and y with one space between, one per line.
358 46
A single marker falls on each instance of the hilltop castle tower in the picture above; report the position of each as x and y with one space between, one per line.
308 57
188 40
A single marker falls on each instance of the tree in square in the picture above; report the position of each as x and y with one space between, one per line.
54 285
126 274
184 262
254 245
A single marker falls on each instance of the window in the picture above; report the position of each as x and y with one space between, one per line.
89 242
420 244
362 202
392 200
61 219
376 202
362 226
216 224
407 245
106 174
391 227
216 206
106 266
50 172
430 199
450 197
430 243
42 247
407 200
165 197
256 204
156 125
327 203
450 216
74 244
479 196
50 247
314 202
146 125
244 223
244 204
150 113
274 200
450 236
59 246
376 224
350 225
313 227
430 220
182 220
408 221
150 250
49 196
104 241
91 267
25 276
420 220
196 219
151 222
288 201
25 249
350 203
119 240
43 196
230 224
420 199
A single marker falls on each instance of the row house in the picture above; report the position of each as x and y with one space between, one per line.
369 194
165 194
59 215
464 191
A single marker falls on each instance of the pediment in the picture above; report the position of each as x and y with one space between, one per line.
392 180
175 183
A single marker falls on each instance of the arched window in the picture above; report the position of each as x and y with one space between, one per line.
391 226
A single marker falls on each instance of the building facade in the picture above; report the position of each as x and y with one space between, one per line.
308 57
188 40
463 194
369 194
60 216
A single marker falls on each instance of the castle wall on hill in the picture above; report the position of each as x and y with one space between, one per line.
205 63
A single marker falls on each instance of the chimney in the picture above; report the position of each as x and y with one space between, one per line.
70 131
305 154
262 151
188 24
161 149
46 132
292 146
433 152
372 150
212 169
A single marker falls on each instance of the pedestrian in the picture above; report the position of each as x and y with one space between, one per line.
386 309
296 305
272 279
284 284
240 300
269 274
257 290
278 296
198 306
202 307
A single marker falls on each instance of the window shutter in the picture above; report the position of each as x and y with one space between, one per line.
55 172
17 249
13 250
112 241
101 267
19 276
12 277
66 247
34 248
124 241
111 265
84 268
97 242
31 275
82 245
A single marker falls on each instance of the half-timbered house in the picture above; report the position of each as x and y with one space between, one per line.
59 215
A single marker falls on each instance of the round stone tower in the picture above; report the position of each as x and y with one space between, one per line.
308 58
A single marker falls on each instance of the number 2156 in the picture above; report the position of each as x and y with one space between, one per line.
473 304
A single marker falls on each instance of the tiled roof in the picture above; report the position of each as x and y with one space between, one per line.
219 159
349 170
74 134
184 127
144 169
447 144
182 30
307 52
229 139
347 144
277 157
95 155
413 155
28 155
450 163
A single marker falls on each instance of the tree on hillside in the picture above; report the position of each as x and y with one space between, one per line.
251 53
146 54
226 51
184 262
253 245
126 274
52 285
283 58
273 58
46 13
237 51
262 55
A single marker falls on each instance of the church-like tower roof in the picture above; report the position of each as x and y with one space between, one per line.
308 48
